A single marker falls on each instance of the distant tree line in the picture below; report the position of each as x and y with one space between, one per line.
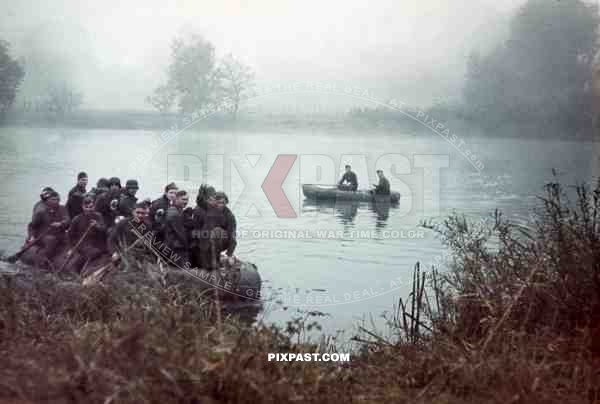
11 77
540 75
34 83
542 72
58 99
196 78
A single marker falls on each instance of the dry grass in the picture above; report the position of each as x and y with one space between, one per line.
149 345
519 323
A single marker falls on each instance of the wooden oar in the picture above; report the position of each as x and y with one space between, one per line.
98 274
75 247
14 258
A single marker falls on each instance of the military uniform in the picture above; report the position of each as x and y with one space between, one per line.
128 200
93 246
178 224
214 232
52 239
132 238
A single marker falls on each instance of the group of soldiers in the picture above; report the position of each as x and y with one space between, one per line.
110 221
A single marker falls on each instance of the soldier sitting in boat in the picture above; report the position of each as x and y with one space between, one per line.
132 235
217 233
44 195
76 194
104 202
349 181
87 236
49 225
383 188
178 222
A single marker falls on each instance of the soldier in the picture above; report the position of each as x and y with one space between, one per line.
383 188
76 194
101 188
349 181
218 232
87 234
105 201
43 197
177 226
128 200
197 250
49 225
159 208
131 235
39 205
165 201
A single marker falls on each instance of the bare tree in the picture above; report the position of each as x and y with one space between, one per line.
234 79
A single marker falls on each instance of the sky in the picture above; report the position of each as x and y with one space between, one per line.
117 51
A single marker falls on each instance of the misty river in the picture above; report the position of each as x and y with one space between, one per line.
346 261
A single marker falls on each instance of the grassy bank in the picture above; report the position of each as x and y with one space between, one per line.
519 323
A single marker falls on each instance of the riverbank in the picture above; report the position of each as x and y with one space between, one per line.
409 121
517 324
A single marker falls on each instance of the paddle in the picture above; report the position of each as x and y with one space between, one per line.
15 257
98 274
70 252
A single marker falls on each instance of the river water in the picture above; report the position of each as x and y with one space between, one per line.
350 262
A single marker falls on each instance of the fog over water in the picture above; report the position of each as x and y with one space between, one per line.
118 51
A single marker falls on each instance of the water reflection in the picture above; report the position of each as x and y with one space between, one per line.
381 210
345 211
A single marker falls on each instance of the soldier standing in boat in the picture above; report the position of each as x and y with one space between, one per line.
218 232
88 233
197 251
349 181
178 222
76 194
41 204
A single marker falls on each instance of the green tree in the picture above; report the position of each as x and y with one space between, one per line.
11 76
